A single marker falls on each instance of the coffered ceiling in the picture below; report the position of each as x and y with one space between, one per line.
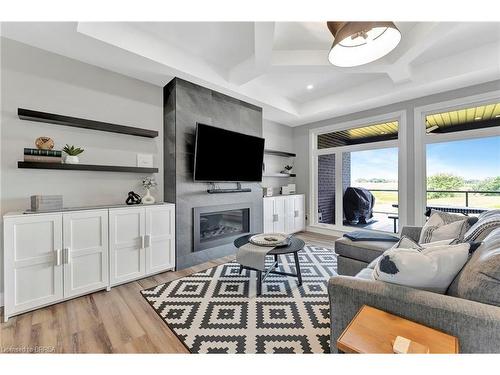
280 66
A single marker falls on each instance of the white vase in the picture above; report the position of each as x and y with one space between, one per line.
148 198
69 159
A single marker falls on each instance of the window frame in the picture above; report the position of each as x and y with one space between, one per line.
400 143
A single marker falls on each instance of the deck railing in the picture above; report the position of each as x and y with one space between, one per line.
466 192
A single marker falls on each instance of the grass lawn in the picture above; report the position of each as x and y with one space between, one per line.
385 199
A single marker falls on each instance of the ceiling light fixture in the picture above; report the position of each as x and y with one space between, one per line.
358 43
309 87
497 116
477 118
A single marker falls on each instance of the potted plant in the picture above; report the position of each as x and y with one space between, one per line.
148 183
72 153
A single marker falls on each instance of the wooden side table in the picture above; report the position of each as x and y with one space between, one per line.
374 331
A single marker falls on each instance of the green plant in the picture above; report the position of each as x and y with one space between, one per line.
149 182
444 181
489 184
72 150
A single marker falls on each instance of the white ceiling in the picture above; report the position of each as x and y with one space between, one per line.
270 64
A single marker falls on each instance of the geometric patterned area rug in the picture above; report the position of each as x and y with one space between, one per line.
217 311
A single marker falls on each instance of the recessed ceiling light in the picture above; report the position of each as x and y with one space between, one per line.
497 116
309 87
382 132
478 118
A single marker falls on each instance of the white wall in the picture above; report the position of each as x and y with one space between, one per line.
40 80
280 138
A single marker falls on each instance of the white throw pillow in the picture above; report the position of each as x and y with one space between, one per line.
432 268
444 226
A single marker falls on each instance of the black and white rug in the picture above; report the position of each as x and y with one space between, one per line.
217 311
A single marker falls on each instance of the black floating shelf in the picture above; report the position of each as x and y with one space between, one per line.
279 175
280 153
51 118
84 167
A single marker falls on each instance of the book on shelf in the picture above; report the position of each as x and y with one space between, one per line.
43 159
38 152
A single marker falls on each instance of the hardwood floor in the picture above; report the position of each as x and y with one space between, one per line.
118 321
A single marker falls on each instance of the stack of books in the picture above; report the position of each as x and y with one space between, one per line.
42 156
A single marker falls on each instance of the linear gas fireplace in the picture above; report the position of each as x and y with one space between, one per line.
220 225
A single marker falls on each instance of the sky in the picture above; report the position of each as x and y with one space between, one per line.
473 159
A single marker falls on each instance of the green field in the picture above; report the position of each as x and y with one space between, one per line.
385 199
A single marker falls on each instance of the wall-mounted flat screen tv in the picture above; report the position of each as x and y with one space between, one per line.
227 156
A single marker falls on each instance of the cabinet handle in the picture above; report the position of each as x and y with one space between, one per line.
58 257
142 242
67 258
147 240
275 218
296 213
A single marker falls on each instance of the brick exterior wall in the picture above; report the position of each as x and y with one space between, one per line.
326 185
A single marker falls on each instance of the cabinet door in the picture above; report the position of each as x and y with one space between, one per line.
299 213
268 215
289 214
85 251
33 267
126 244
279 214
160 238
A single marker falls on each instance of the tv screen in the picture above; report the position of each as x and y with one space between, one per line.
223 155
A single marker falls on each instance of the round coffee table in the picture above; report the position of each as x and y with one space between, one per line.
295 245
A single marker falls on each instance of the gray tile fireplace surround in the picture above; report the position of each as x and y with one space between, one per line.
185 104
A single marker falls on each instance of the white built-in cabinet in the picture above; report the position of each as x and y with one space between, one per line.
51 257
141 242
284 214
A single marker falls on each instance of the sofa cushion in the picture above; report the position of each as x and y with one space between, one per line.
479 280
364 251
432 268
444 226
365 273
486 223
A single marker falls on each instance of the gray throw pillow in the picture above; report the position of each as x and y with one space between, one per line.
487 222
444 226
479 280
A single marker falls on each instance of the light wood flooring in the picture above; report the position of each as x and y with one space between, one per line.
118 321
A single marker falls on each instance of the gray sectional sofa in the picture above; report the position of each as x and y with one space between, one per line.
470 310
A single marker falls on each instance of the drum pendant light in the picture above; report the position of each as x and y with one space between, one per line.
358 43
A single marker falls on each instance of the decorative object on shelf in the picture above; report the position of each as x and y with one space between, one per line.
145 160
44 143
267 191
133 198
270 239
287 169
72 153
148 183
42 155
358 43
46 202
288 189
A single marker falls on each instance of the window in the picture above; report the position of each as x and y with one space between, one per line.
462 159
356 177
464 173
